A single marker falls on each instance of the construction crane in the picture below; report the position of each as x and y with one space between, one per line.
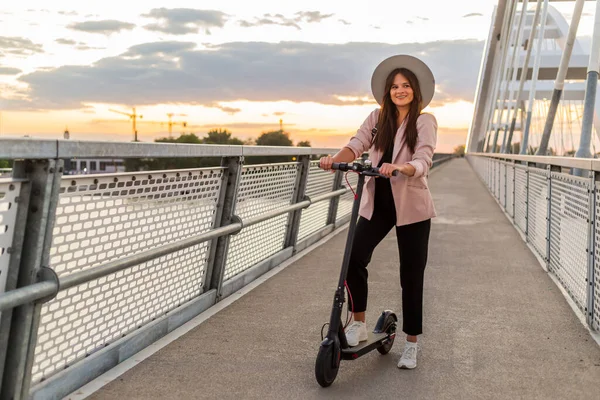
171 123
133 117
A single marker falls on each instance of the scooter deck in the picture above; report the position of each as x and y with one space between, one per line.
374 340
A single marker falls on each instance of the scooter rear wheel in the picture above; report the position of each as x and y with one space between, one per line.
389 327
325 371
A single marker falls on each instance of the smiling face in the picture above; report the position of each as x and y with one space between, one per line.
401 92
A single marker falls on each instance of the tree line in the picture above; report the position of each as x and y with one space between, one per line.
215 136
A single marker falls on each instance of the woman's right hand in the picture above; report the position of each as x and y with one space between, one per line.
325 162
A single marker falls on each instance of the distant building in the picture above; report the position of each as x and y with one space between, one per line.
86 166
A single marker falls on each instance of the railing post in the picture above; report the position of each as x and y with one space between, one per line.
44 177
528 165
15 251
334 201
225 214
594 177
549 170
293 222
514 189
505 185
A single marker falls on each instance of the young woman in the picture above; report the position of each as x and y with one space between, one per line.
404 140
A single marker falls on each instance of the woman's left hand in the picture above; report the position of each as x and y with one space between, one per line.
387 169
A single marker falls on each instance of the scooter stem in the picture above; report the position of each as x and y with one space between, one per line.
335 322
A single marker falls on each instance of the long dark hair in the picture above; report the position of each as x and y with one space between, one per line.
387 124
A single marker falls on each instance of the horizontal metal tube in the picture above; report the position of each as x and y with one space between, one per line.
275 213
118 265
293 207
15 148
27 294
567 162
322 197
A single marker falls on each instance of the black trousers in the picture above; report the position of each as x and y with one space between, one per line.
413 242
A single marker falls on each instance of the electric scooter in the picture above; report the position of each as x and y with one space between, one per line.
334 347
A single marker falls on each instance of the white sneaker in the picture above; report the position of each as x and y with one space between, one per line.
409 356
355 333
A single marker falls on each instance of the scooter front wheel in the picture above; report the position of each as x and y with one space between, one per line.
326 367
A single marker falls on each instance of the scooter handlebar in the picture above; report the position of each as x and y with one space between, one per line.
361 169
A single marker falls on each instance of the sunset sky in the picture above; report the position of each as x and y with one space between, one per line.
240 65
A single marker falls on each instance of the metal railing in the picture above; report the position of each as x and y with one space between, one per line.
93 268
557 214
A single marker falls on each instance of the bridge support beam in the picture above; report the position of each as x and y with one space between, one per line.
560 78
513 117
503 73
590 93
534 78
513 77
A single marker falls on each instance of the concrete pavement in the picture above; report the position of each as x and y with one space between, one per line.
495 324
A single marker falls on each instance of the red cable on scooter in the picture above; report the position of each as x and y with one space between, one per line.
351 302
351 188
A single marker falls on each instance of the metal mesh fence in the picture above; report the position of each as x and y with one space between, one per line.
492 183
521 197
262 189
537 216
561 234
510 188
103 218
315 217
489 173
569 230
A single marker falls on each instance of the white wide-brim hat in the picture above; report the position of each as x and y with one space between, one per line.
418 67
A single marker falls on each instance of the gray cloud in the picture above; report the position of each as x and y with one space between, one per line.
295 71
343 21
230 110
410 22
311 16
279 19
473 15
18 46
68 13
86 47
9 71
157 48
242 125
78 45
275 20
181 21
106 26
65 41
227 110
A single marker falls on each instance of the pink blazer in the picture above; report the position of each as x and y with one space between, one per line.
411 194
